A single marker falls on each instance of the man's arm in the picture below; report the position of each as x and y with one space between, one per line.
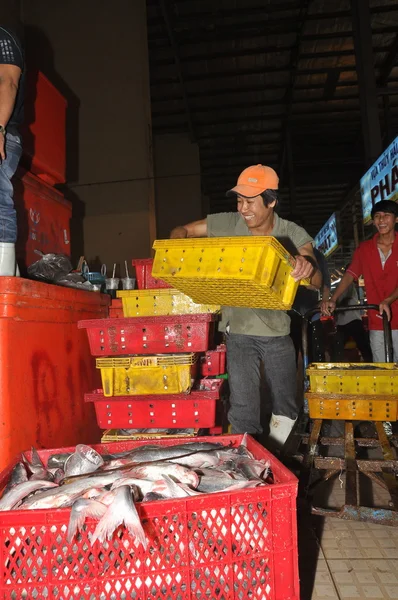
328 306
196 229
9 80
306 266
385 305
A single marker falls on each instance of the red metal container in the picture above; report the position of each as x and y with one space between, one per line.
46 366
143 274
43 219
197 409
150 335
224 546
44 130
213 362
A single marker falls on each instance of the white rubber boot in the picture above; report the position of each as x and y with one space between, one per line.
7 259
279 430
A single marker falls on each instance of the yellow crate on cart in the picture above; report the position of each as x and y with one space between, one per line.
148 303
143 375
358 379
249 271
351 407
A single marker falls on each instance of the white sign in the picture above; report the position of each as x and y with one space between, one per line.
380 182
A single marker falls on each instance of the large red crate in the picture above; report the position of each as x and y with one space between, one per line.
224 546
143 274
150 335
213 362
44 128
43 217
197 409
46 366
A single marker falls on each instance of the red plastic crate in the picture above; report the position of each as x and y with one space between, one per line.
150 335
224 546
116 309
197 409
143 274
213 362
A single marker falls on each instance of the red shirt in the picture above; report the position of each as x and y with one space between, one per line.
379 283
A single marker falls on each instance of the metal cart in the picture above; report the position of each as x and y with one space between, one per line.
348 393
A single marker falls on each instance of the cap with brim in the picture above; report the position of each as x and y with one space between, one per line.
255 180
247 191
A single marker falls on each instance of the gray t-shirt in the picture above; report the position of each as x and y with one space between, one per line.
257 321
348 298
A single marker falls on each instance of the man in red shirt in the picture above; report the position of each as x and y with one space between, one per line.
377 260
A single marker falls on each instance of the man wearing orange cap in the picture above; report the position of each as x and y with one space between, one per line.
258 341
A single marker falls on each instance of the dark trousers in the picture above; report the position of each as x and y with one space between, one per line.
250 359
356 330
316 343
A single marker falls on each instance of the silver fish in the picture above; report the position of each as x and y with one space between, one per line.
18 475
209 485
156 470
36 467
199 460
82 509
15 496
122 510
65 495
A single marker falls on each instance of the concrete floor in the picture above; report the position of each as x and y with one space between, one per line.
347 559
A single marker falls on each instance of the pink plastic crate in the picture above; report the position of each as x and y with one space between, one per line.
143 274
213 362
227 546
197 409
150 335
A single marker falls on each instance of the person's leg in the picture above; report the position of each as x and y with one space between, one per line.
244 377
280 374
395 344
8 218
339 341
377 346
357 331
318 345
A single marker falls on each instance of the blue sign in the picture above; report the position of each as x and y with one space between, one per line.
380 182
326 240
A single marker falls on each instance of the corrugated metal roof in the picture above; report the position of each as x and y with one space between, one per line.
233 73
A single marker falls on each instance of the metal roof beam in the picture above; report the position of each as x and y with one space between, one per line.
196 17
389 63
241 72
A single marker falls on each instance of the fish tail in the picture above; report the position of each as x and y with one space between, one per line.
82 509
134 525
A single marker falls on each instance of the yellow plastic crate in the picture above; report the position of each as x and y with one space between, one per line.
239 271
351 407
356 379
147 303
112 435
143 375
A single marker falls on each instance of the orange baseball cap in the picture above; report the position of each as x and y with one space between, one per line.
255 180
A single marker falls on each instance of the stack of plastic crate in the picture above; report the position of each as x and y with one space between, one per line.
159 367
